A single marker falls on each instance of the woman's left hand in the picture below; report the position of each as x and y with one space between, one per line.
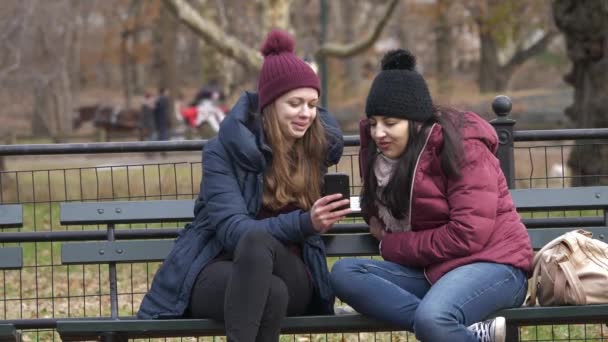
376 228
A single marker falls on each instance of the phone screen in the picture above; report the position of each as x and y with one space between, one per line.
337 183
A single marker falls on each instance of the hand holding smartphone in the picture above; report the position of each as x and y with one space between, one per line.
337 183
321 214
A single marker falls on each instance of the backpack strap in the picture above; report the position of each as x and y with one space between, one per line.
570 278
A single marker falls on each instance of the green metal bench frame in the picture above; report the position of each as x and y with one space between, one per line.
11 216
8 333
348 241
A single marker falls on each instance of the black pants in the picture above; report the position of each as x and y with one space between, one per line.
254 292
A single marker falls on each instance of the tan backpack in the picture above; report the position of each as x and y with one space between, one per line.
570 270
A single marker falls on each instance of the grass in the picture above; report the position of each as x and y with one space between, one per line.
44 288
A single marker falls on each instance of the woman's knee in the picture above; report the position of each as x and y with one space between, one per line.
343 268
431 322
278 299
342 274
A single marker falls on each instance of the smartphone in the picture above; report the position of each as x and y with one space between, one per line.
334 183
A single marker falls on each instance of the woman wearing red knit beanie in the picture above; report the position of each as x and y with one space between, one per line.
253 253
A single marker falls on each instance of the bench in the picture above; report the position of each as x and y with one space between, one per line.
346 239
11 216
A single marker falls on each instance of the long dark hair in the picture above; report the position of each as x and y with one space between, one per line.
396 194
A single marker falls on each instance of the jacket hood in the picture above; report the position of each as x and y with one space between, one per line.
242 136
473 127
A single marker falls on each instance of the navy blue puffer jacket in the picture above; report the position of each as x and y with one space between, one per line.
226 207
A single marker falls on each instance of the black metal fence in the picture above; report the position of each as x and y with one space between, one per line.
41 176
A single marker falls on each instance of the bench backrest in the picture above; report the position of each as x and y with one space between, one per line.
11 216
355 242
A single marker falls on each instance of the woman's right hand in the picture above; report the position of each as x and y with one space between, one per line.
322 215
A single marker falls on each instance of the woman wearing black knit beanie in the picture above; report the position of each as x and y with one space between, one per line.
454 248
253 253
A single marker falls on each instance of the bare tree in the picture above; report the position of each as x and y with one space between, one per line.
129 41
275 16
41 43
12 35
522 25
352 21
57 37
166 50
585 26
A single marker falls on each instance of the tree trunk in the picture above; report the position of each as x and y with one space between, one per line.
276 15
137 67
125 70
65 107
443 48
352 66
168 65
40 119
491 77
585 26
212 62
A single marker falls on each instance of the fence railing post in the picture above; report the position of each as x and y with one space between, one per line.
501 105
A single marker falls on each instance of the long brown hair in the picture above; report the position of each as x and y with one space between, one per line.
396 195
295 174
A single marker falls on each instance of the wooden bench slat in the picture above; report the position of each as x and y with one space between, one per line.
115 251
126 212
11 258
11 216
8 333
563 198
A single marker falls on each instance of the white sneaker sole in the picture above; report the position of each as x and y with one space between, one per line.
500 329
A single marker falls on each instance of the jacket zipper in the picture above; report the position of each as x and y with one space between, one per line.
409 216
409 212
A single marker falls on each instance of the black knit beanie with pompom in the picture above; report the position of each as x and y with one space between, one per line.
399 90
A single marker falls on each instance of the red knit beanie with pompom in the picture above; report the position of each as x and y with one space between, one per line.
282 70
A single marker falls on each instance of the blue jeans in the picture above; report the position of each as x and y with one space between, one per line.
402 296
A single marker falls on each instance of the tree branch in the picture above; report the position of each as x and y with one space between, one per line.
523 55
16 29
250 58
348 50
213 35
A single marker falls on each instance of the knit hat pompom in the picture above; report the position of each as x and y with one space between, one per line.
399 59
277 42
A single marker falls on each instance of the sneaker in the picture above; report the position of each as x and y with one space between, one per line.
344 310
492 330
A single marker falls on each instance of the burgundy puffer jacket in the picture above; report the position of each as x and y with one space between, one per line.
455 223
